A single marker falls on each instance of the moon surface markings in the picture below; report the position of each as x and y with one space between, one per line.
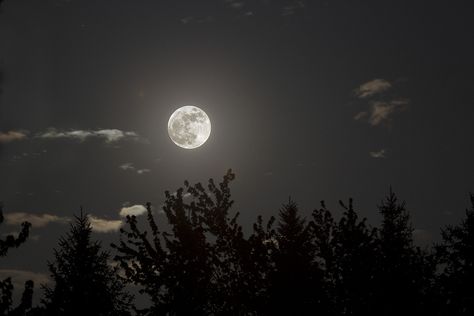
189 127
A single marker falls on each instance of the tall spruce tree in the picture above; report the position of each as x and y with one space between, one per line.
259 265
403 270
84 282
323 228
354 249
456 253
296 281
6 286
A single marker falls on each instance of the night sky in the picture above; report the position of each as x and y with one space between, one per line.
317 100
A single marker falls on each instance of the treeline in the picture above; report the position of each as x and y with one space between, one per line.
204 264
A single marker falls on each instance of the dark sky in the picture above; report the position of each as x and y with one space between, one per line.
313 99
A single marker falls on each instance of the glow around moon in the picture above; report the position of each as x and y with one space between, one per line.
189 127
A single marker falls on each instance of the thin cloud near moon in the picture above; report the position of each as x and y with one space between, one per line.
111 135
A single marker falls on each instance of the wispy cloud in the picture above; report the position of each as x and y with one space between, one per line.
129 166
360 115
132 210
108 135
292 8
19 277
378 154
102 225
235 4
36 220
372 87
12 136
381 111
142 171
197 20
245 9
16 234
187 19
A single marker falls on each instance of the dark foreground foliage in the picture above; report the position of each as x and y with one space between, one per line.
200 262
84 282
205 265
6 286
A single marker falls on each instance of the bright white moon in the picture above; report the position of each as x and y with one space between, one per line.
189 127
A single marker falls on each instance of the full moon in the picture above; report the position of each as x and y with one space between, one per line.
189 127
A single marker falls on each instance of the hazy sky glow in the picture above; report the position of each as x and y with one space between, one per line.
313 99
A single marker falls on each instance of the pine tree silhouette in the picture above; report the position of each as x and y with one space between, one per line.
295 278
457 257
354 245
26 301
84 282
201 263
403 270
323 228
6 286
259 265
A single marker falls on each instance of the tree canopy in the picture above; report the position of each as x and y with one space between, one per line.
6 286
84 281
192 257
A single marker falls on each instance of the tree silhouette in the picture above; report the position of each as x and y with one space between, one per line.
26 301
403 270
237 285
84 282
198 261
203 265
10 241
182 270
295 278
354 250
457 256
259 267
323 228
6 286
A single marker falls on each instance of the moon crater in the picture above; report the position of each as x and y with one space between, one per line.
189 127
